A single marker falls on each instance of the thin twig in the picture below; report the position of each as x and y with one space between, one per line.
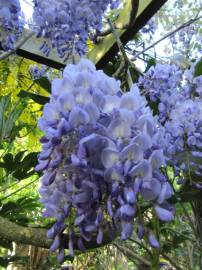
189 219
141 245
119 43
133 13
126 60
171 261
18 45
18 190
167 35
8 187
28 3
131 254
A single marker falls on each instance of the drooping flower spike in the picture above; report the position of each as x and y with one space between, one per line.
101 151
66 25
178 95
11 23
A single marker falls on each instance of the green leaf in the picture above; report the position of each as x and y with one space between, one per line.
6 244
9 114
19 210
30 160
5 261
8 161
150 62
25 167
19 157
5 103
178 239
44 83
8 208
13 116
37 98
20 168
198 69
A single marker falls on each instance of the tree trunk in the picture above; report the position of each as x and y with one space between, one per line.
13 232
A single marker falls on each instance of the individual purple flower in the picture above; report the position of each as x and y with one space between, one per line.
153 241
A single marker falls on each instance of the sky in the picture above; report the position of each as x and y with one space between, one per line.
26 6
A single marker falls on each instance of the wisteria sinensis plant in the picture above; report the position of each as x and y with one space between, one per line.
102 158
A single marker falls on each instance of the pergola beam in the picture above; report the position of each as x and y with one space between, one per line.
105 50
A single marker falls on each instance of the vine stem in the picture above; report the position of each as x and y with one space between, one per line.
156 252
122 50
128 253
166 36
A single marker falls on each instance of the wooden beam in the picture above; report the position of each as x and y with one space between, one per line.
147 8
105 50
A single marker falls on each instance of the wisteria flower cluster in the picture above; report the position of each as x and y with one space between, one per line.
37 72
184 134
101 155
66 25
11 23
162 84
179 97
184 36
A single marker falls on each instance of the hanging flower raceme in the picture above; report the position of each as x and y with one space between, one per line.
162 84
179 97
184 135
11 23
184 36
37 72
66 24
101 155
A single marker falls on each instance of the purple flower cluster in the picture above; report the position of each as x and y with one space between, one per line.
37 72
184 36
67 24
11 23
101 156
162 84
184 136
179 97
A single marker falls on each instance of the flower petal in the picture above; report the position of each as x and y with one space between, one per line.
109 157
132 152
142 169
153 241
164 214
157 159
119 129
127 230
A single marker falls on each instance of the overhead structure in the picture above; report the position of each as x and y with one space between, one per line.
106 48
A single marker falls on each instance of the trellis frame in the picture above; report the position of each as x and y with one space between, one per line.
104 50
